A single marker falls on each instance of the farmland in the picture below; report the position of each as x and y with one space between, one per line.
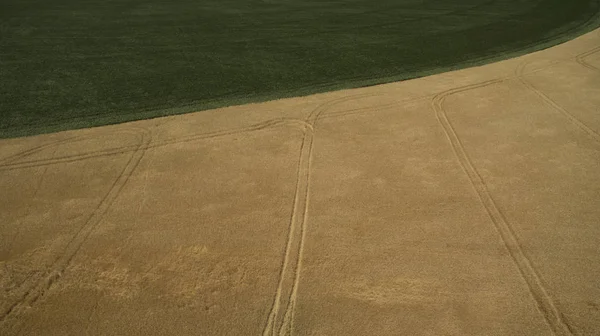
461 202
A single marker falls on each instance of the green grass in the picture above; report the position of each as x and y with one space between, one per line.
68 64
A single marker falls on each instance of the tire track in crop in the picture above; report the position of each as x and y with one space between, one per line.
581 59
291 239
550 102
12 162
53 274
131 148
14 157
16 161
278 322
375 108
544 301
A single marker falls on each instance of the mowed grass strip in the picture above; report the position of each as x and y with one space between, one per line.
69 64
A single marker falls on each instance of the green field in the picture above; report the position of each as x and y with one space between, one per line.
68 64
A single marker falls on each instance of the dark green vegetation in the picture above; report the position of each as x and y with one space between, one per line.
77 63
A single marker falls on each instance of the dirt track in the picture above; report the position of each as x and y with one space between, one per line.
466 203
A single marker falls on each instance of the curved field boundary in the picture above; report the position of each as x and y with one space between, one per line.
19 160
137 109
